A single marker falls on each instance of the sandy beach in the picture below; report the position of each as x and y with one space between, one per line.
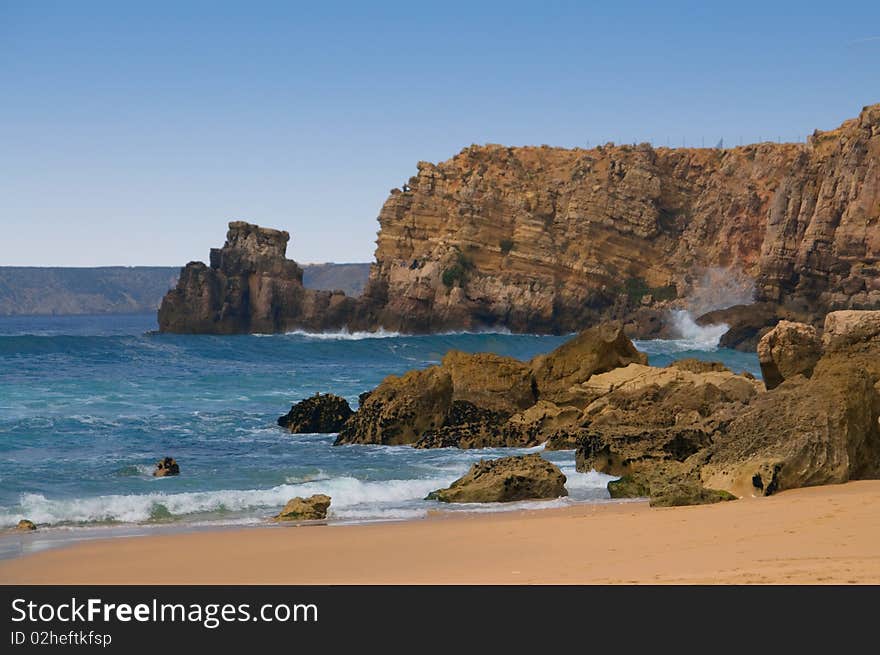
816 535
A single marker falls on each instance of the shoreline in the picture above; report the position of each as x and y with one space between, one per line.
824 535
15 544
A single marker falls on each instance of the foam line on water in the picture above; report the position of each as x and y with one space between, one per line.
135 508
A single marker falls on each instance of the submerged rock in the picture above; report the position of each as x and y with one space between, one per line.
165 467
524 477
313 508
321 413
26 526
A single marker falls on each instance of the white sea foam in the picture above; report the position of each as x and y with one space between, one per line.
576 481
691 336
358 335
344 335
353 499
345 491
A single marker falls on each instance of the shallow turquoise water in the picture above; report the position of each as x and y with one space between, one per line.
88 404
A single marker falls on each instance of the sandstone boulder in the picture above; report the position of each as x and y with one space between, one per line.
678 494
483 400
165 467
805 432
318 414
524 477
628 486
787 350
26 526
401 409
849 327
593 351
489 381
557 425
694 365
652 426
313 508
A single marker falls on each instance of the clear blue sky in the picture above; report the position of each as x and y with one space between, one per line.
130 133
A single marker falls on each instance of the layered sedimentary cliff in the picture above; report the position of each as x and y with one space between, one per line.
551 240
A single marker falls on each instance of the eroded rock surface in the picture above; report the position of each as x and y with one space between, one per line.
787 350
482 400
250 287
546 239
686 440
321 414
524 477
313 508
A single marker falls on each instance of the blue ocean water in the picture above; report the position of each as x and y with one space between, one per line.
89 404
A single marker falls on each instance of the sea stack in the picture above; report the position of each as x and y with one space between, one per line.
250 287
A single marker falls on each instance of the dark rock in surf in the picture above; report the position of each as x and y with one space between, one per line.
319 414
166 467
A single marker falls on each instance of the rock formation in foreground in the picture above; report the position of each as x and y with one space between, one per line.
819 425
504 480
540 239
691 432
313 508
482 400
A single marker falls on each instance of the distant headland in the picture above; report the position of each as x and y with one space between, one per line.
47 291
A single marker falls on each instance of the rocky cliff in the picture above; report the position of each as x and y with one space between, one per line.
548 239
544 239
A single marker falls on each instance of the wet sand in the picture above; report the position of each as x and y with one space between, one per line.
818 535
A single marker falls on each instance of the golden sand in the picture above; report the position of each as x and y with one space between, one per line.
818 535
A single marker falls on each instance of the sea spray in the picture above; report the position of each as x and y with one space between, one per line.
719 288
716 288
694 336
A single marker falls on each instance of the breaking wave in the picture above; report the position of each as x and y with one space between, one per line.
346 492
359 335
690 336
342 335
